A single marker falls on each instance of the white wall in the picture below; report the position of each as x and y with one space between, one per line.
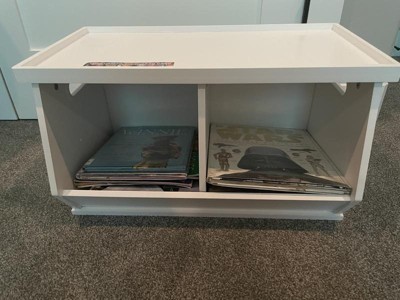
322 11
375 21
13 48
47 21
281 11
7 111
397 43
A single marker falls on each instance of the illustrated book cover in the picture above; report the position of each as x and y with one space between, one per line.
159 149
272 159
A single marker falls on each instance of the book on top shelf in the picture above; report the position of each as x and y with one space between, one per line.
270 159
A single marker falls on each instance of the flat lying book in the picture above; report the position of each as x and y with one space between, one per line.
140 150
271 159
103 184
134 157
113 176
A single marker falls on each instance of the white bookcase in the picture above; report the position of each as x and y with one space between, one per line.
318 77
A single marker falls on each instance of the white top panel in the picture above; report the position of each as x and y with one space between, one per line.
211 54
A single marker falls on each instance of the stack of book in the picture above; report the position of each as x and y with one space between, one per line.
143 158
243 158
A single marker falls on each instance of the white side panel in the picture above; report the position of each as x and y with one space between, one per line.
152 105
14 47
67 16
281 11
7 111
344 127
204 125
270 105
72 129
376 102
325 11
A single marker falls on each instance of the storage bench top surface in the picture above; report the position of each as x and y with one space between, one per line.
210 54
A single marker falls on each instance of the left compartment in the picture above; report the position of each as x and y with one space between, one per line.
73 128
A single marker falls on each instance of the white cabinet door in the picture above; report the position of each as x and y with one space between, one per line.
282 11
291 11
322 11
14 48
375 21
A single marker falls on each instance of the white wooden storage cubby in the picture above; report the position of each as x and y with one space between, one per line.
317 77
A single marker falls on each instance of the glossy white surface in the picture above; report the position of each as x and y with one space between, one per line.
212 54
214 50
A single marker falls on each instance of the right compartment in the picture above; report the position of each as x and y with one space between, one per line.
341 124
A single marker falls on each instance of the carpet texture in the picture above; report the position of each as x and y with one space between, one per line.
46 253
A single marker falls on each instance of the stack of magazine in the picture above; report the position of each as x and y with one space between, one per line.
270 159
143 158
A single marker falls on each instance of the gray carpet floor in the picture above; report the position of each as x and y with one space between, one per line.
46 253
